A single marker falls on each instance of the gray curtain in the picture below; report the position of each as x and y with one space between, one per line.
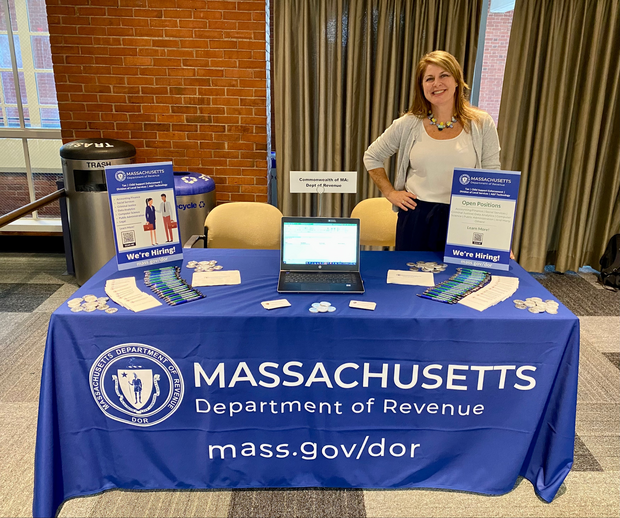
343 72
559 124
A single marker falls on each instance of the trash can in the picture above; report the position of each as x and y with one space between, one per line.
195 197
83 163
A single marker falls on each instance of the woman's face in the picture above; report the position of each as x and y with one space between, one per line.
438 85
150 203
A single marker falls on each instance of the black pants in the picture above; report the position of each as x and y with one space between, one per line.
423 229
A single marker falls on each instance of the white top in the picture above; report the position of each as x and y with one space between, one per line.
405 131
432 162
164 208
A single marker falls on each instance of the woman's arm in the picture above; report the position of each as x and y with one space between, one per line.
378 152
490 145
402 199
384 147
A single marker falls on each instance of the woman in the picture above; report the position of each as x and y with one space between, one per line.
150 218
440 131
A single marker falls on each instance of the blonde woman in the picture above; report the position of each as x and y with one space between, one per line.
440 131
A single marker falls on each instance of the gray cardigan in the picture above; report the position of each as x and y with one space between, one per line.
405 132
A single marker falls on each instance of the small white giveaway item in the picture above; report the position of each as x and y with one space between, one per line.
362 304
273 304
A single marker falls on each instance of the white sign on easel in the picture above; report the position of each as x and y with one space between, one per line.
324 181
321 182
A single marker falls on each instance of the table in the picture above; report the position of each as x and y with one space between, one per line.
414 394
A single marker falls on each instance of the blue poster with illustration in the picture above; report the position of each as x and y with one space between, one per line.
144 214
482 211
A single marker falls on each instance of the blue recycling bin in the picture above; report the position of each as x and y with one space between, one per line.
195 197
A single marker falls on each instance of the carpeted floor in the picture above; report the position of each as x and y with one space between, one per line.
32 286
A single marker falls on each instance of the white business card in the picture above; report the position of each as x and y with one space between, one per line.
222 278
361 304
274 304
410 278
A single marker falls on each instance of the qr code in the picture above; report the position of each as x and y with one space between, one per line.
477 239
128 237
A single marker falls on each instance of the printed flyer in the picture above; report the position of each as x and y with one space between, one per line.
482 211
144 214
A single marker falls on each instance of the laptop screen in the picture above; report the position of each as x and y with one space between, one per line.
320 243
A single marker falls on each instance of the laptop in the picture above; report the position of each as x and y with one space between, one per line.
320 255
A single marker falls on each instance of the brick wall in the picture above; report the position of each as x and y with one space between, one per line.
182 80
494 62
14 192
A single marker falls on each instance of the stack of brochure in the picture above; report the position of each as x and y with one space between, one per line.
125 293
497 290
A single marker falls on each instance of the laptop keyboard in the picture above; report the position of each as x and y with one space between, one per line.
333 278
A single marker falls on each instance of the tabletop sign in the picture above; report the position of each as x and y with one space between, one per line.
482 211
324 181
144 214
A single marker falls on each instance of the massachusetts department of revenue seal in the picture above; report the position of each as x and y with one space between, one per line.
136 384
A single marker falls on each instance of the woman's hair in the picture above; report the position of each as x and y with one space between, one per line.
465 112
147 201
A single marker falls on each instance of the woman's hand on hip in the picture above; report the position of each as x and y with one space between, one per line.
402 199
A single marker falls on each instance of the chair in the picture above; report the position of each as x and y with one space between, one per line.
377 222
243 225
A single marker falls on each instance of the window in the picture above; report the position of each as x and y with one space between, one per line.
496 37
29 119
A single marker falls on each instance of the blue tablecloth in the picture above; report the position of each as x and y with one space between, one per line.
414 394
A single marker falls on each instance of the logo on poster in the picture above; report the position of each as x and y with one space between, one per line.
464 179
136 384
120 176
